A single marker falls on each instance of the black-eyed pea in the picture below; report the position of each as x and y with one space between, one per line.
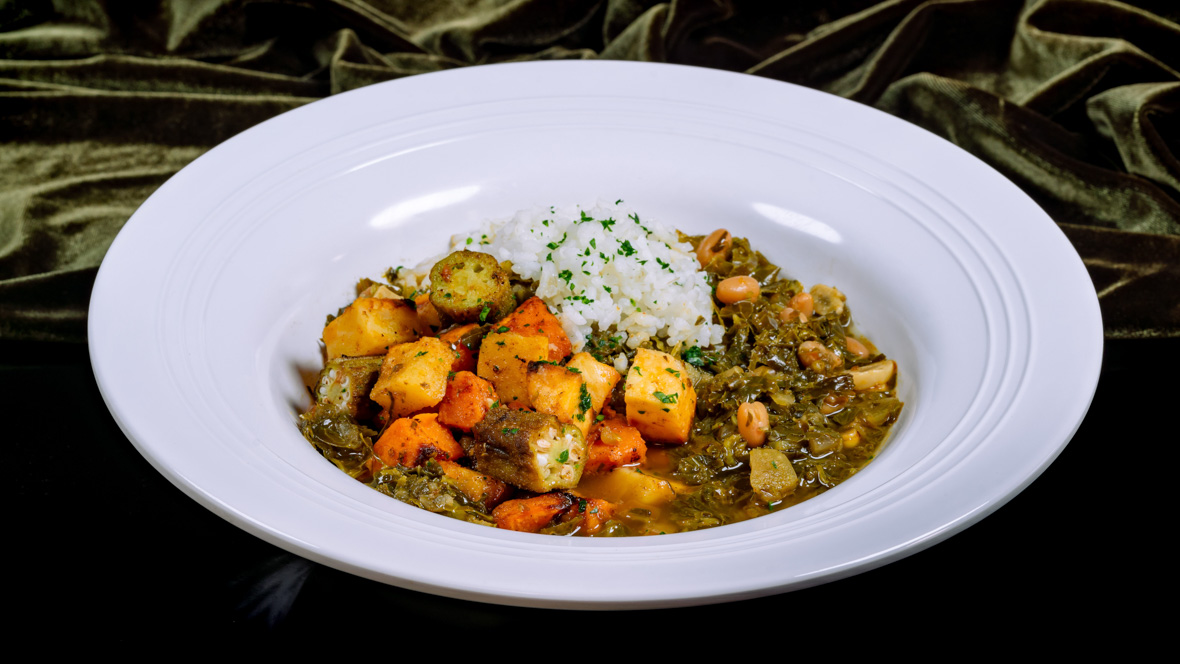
804 304
753 423
717 244
736 289
818 357
850 438
855 347
790 315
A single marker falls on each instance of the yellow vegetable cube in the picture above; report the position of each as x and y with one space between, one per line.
413 376
660 398
504 359
600 378
627 485
562 393
369 326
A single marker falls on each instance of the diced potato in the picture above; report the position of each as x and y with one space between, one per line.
628 484
771 474
479 487
465 341
529 450
660 397
413 376
529 515
504 359
600 378
468 400
613 444
555 390
369 326
379 291
875 376
532 318
411 441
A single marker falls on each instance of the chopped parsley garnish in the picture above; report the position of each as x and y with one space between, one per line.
584 402
483 313
695 357
469 240
666 266
665 398
607 289
420 353
564 456
625 249
508 432
565 275
672 371
606 224
502 329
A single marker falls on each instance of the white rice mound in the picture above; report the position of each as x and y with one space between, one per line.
609 266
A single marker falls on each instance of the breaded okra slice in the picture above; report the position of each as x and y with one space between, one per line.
345 384
470 287
533 451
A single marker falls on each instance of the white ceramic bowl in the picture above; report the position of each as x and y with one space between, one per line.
207 311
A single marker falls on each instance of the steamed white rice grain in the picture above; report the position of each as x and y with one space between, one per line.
604 268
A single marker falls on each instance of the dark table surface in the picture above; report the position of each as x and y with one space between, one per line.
104 536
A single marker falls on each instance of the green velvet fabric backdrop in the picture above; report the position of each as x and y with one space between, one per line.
1077 101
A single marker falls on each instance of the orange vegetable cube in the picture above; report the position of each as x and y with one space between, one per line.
529 515
464 340
613 444
595 512
532 318
411 441
468 400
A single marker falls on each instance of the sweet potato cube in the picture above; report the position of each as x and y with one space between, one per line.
465 341
613 444
600 378
369 326
413 376
479 487
411 441
660 398
555 390
504 359
531 514
594 513
468 400
532 318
